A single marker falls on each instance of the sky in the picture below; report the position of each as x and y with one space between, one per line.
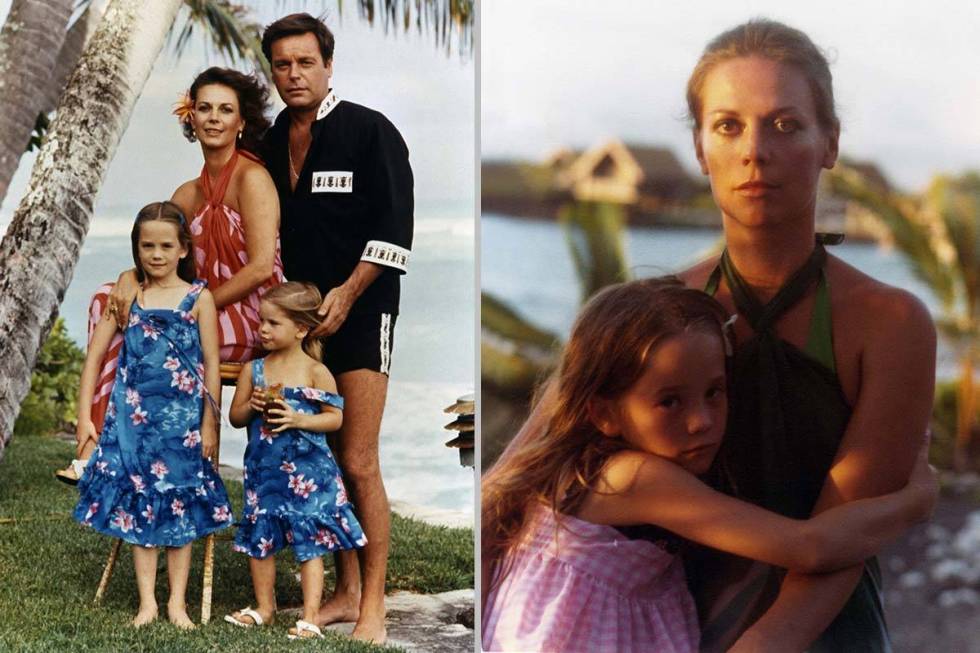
428 95
569 73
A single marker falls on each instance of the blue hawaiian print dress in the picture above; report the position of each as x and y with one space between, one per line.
147 482
294 494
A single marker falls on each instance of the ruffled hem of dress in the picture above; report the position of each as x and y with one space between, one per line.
111 498
324 533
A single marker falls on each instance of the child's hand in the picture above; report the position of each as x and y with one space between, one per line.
84 432
209 442
283 417
257 401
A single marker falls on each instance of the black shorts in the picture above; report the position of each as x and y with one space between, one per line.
363 342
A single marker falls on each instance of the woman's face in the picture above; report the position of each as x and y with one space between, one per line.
217 117
760 142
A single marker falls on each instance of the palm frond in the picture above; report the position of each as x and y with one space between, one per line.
595 238
227 28
449 21
923 243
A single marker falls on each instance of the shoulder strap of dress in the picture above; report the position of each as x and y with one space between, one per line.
820 339
711 287
187 303
258 373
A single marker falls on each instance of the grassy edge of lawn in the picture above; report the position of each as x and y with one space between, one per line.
50 567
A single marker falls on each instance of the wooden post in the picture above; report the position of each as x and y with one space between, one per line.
107 572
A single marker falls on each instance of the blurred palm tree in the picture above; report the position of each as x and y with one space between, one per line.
939 235
515 354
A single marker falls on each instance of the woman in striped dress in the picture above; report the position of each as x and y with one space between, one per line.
235 226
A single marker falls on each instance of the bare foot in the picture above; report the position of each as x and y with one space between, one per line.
339 607
177 614
371 630
145 616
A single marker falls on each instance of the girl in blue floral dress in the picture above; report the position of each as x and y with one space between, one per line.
294 494
151 481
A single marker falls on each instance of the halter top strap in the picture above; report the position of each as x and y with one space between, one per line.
819 343
214 193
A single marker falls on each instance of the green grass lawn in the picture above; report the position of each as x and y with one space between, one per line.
50 567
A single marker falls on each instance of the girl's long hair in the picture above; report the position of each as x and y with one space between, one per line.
300 302
605 355
165 212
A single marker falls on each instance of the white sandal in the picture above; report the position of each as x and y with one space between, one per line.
72 473
305 627
247 611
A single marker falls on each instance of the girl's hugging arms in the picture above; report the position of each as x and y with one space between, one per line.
207 323
636 487
328 419
97 348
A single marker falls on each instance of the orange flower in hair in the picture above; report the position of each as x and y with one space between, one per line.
183 108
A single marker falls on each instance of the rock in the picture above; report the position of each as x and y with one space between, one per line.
429 623
954 573
912 579
937 532
962 596
897 564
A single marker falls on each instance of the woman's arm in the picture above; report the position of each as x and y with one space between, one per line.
641 488
328 419
207 324
121 297
258 203
97 348
875 455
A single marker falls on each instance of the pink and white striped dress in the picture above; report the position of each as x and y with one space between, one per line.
583 587
219 252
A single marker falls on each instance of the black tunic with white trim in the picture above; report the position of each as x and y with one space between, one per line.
353 201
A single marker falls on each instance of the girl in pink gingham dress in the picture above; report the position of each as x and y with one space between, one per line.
581 524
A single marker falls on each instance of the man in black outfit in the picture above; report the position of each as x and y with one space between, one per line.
346 195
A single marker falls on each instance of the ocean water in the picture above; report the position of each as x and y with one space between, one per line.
433 362
515 251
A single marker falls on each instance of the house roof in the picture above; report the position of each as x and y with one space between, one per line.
657 162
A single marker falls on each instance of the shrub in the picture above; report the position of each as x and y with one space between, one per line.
52 402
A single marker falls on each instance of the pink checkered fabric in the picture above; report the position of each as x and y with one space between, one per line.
587 588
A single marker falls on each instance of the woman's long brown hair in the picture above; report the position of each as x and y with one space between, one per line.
605 355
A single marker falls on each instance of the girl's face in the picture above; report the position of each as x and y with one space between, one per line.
217 116
276 329
678 406
760 141
159 249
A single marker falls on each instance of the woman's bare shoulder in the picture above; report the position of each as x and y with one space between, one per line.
863 300
697 275
188 195
249 172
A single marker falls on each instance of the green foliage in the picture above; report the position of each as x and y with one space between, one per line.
595 237
943 424
52 402
50 568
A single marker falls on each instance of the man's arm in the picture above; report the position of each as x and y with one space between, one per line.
875 456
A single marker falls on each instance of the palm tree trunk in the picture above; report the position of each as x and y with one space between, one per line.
78 36
29 44
41 246
965 414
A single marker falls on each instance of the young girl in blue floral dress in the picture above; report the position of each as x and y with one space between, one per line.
294 494
151 481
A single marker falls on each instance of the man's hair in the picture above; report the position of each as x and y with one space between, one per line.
294 25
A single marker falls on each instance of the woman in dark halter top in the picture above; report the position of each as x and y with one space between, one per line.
834 371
